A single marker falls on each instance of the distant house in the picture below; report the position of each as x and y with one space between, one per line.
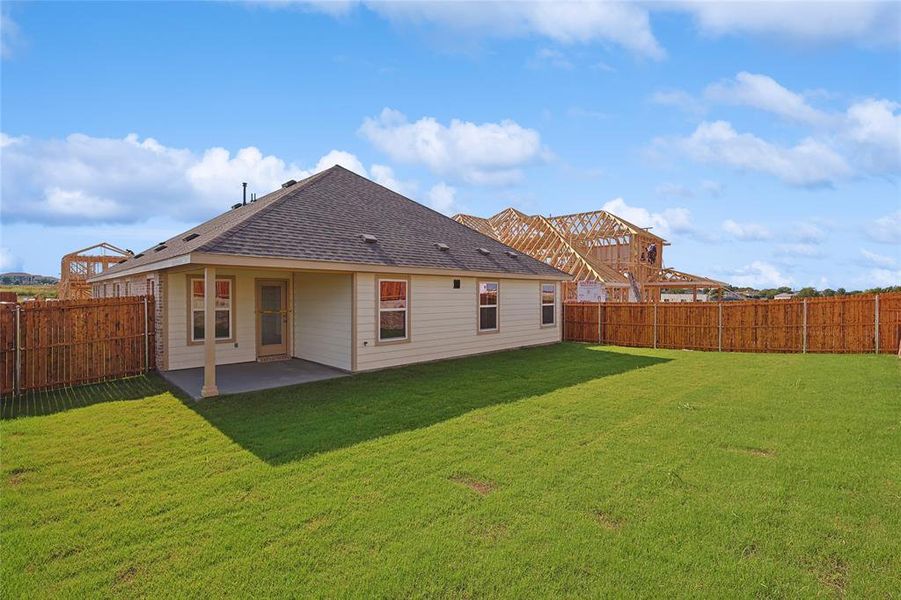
341 271
784 296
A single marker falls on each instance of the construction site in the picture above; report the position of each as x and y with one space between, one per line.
77 267
597 246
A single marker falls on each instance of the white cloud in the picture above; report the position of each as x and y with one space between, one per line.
443 198
865 22
746 231
873 127
714 188
800 249
758 274
626 25
808 233
384 175
667 222
865 139
883 277
679 99
877 259
808 163
90 180
486 154
340 157
886 229
765 93
9 261
10 35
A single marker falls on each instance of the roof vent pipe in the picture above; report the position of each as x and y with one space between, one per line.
244 202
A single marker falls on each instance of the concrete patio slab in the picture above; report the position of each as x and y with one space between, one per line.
251 376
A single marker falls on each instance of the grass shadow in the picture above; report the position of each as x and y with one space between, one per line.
36 404
287 424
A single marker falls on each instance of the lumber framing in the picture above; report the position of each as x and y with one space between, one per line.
593 246
79 266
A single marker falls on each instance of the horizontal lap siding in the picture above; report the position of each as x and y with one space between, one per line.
443 321
322 318
183 355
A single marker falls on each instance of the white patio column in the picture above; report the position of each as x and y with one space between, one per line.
209 333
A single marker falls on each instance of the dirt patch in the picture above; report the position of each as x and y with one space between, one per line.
607 521
762 452
490 532
833 574
17 476
479 486
749 551
126 576
316 522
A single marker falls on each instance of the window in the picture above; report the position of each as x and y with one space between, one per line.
223 304
548 303
392 309
488 305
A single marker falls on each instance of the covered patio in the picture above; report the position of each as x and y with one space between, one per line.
251 376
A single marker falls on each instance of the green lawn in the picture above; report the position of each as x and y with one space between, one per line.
560 471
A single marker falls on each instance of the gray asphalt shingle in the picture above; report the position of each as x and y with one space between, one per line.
323 217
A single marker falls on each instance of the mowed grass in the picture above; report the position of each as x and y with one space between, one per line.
560 471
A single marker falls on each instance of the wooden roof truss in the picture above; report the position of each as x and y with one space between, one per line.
77 267
596 246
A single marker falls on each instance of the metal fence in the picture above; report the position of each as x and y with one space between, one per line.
862 323
52 344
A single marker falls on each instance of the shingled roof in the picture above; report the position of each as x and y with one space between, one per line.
324 218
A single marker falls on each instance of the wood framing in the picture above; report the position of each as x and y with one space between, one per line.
77 267
592 246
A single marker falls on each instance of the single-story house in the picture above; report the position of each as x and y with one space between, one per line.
338 270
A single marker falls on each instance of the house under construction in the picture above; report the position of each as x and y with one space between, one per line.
593 246
76 267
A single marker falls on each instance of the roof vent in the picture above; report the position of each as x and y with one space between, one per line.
484 251
511 254
442 247
190 236
289 183
160 247
238 205
369 239
139 255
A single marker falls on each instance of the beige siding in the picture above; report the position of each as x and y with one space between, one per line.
181 354
443 321
322 318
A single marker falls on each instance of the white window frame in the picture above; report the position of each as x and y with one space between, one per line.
192 310
544 304
380 310
496 306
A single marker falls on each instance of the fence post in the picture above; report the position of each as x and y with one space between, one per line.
877 324
599 322
18 378
146 338
804 330
719 340
655 326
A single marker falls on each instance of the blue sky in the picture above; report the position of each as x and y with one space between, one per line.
762 140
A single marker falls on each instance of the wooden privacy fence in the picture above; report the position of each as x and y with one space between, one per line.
839 324
53 344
